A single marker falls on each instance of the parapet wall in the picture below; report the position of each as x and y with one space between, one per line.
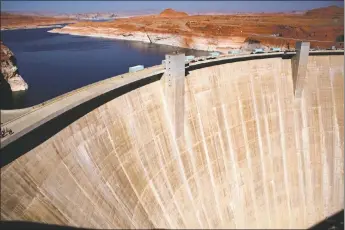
252 155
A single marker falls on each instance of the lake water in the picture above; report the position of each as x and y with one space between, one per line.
54 64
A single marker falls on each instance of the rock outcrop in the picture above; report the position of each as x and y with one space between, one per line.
9 70
172 13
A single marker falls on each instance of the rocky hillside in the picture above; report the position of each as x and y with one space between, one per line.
9 70
172 13
89 16
330 11
221 32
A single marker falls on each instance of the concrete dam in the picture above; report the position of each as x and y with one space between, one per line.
253 141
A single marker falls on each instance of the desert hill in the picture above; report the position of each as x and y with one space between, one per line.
172 13
333 11
12 21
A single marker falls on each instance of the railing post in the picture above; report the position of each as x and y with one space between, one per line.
299 67
174 78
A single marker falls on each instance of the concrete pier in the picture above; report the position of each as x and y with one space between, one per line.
299 67
174 78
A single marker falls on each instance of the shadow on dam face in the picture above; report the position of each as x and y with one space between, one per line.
252 155
335 222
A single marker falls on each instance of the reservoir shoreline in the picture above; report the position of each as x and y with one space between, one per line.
54 64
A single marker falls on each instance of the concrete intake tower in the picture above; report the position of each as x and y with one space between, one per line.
252 141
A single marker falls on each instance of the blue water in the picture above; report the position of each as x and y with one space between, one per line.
54 64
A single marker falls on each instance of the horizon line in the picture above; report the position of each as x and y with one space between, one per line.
152 11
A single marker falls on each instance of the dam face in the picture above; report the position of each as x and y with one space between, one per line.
252 155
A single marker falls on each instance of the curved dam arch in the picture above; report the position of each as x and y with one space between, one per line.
252 155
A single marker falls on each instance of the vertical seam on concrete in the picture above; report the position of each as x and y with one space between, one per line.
172 194
268 139
195 171
138 197
337 140
216 162
96 166
196 178
189 151
115 195
334 153
325 180
164 173
38 188
45 195
282 143
299 157
28 206
83 191
261 151
83 171
249 162
239 216
209 167
176 151
306 153
323 150
223 156
153 189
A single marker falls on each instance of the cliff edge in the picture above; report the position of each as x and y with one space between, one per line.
9 70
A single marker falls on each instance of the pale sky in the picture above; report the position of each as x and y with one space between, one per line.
157 6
